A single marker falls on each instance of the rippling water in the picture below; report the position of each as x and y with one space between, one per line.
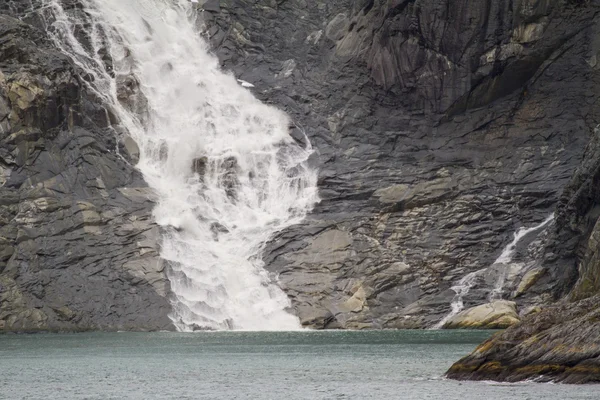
247 365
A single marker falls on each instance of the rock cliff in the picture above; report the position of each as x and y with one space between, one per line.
78 247
559 343
440 128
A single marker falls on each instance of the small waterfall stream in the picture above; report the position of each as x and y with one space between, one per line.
464 286
226 172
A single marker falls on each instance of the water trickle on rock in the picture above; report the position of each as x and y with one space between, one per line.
225 170
464 286
506 257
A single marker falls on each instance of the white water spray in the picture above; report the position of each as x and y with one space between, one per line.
226 172
464 286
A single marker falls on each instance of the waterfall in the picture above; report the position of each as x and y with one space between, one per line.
464 286
507 254
226 173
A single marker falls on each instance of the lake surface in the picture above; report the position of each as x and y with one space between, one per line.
248 365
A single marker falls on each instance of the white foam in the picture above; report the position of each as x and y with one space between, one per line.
251 179
245 84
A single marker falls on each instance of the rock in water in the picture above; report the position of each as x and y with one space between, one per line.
560 344
199 166
496 315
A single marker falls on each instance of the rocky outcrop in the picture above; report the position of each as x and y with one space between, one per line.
78 247
560 343
440 128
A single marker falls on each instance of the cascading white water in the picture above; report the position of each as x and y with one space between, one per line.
507 254
461 289
226 172
464 286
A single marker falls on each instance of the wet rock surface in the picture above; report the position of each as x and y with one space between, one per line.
496 315
78 247
560 344
440 128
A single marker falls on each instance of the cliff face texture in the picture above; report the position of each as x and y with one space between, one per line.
440 128
561 342
78 248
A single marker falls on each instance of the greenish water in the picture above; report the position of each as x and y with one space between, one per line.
282 365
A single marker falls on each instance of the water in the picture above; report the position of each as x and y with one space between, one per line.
507 254
226 173
464 286
244 365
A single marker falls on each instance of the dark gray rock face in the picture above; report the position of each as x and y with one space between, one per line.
440 127
78 247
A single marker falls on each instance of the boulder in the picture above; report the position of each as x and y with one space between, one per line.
496 315
529 279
